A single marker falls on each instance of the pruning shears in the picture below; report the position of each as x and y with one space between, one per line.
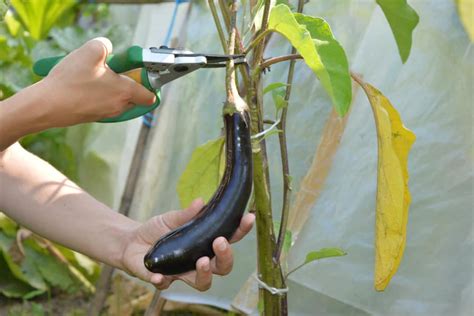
158 67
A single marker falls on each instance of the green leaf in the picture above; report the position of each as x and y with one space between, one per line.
10 286
278 96
86 266
12 24
37 310
5 245
402 20
39 16
313 39
8 226
274 86
324 253
201 176
55 273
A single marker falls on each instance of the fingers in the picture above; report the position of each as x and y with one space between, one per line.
96 50
246 224
224 260
203 280
160 281
138 93
175 219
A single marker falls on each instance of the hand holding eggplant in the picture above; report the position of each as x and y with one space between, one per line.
144 236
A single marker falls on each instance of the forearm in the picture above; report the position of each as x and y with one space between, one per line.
24 113
42 199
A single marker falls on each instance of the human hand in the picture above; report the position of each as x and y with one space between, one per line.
144 236
82 88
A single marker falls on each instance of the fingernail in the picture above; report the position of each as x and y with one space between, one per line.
206 267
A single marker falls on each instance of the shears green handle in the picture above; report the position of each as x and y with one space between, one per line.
125 62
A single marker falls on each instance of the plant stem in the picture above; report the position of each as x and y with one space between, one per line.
284 155
267 63
212 6
269 271
225 13
256 40
238 41
293 270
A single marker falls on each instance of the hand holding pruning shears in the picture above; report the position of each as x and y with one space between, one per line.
85 89
152 68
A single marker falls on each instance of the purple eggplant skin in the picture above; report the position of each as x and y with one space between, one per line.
178 251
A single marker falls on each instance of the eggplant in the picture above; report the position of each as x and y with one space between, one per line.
178 251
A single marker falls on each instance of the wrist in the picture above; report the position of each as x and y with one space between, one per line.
24 113
124 229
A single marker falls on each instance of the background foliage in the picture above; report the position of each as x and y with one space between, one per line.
29 30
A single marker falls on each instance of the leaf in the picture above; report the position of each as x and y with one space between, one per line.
10 286
12 24
323 253
313 39
5 245
86 266
278 97
466 15
48 259
39 16
273 86
8 226
393 196
37 310
55 272
402 20
201 176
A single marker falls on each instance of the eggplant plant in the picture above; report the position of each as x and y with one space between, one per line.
311 41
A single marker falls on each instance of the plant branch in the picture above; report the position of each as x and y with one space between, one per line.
270 61
358 79
256 40
225 13
265 132
238 41
285 166
294 269
212 6
230 74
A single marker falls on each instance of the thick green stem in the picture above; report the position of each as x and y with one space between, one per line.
269 270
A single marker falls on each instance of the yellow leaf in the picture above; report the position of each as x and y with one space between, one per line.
466 15
393 196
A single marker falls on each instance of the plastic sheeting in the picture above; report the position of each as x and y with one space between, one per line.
432 92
